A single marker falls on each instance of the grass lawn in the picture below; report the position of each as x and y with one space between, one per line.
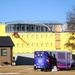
29 70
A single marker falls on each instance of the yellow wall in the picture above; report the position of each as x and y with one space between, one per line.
64 39
2 29
36 40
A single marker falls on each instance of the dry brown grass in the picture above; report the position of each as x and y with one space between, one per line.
28 70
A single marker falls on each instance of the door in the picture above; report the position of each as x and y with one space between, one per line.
68 60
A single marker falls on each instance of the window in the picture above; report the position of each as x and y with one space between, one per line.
18 27
23 45
32 44
37 44
3 52
57 44
61 55
42 44
51 44
22 36
42 36
32 28
32 36
27 28
12 28
51 36
57 37
37 28
42 29
46 36
47 44
27 36
46 29
37 36
23 29
18 45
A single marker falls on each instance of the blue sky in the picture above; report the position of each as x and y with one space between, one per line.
34 10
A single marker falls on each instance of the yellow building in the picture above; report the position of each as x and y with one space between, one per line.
34 36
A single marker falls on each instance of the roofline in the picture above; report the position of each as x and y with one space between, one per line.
32 22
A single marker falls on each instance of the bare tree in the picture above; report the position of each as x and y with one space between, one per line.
71 15
70 44
71 20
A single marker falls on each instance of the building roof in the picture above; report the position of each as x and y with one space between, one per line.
34 22
5 41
